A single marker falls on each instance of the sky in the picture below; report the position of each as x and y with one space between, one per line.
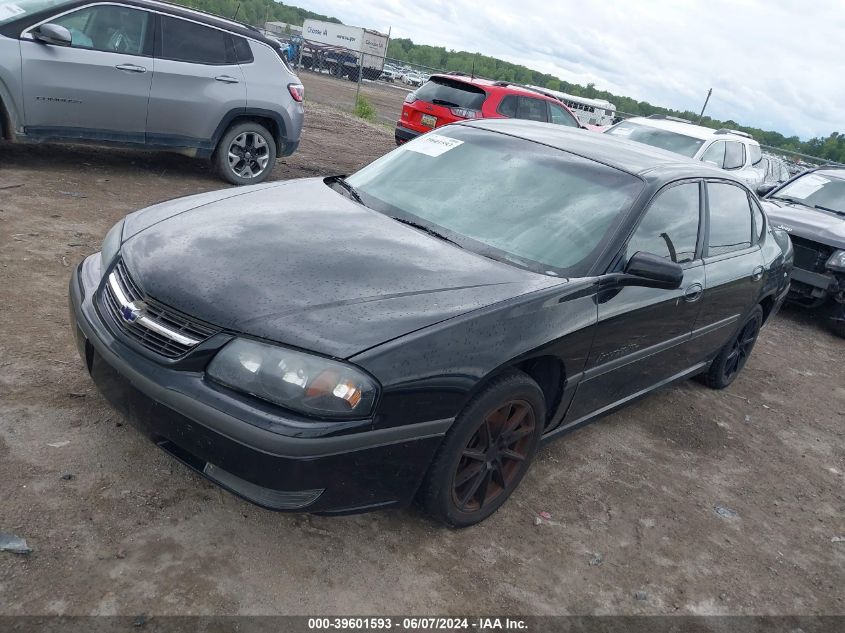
772 64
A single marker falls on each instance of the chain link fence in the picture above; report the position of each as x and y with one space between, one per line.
374 86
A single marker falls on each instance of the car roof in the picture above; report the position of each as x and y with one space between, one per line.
196 15
634 158
688 129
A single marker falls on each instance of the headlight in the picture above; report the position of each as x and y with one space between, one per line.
111 244
302 382
837 261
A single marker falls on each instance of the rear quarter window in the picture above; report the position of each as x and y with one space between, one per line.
452 93
243 53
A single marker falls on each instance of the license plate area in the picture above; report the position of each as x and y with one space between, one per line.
428 120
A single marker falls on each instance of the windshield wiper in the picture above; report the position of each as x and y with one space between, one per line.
341 180
443 102
790 200
426 229
821 208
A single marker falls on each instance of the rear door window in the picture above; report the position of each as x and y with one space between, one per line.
756 153
451 93
730 219
185 41
734 155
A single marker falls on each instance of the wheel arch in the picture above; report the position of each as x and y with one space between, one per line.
7 125
548 371
768 305
273 121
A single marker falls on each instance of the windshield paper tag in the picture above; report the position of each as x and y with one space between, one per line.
10 11
433 144
806 186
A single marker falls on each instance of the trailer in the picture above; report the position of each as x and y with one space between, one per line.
342 50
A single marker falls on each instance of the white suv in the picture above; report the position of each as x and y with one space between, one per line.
731 150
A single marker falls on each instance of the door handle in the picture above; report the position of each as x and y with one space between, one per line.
693 292
757 275
226 79
131 68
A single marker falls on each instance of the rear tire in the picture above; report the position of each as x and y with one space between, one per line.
732 358
246 154
486 452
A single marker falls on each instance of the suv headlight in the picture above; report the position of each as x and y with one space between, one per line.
111 244
301 382
837 261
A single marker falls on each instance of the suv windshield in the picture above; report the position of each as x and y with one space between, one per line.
504 197
455 94
15 9
824 190
656 137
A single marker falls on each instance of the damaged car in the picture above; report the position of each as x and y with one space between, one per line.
344 344
811 208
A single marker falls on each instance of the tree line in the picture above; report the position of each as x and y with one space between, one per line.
256 12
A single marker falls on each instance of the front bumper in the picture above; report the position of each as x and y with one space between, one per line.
267 460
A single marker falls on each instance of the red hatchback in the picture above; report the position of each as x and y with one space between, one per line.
444 99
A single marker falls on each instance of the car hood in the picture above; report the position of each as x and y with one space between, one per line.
298 263
803 221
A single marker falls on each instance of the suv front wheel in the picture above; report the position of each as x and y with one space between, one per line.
246 154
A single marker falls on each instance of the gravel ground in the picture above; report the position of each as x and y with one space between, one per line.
689 502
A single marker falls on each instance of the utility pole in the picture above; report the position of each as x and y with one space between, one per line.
701 116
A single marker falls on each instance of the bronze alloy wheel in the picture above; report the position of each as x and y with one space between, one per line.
495 456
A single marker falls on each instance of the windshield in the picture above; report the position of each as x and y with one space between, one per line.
822 189
508 198
15 9
664 139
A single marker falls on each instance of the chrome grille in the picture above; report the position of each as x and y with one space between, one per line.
156 327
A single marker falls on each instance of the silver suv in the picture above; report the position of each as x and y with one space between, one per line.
151 75
730 150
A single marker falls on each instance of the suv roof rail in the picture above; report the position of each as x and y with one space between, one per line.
457 73
667 117
725 130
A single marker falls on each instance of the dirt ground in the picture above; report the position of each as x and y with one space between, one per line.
385 97
118 527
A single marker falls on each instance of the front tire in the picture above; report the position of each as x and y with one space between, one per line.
732 358
486 453
246 154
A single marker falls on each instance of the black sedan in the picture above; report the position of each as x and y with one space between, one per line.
418 329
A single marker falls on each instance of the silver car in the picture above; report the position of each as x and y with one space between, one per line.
150 75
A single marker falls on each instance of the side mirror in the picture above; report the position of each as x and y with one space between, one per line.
652 271
53 34
762 190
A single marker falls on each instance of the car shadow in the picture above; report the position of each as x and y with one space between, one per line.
117 161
